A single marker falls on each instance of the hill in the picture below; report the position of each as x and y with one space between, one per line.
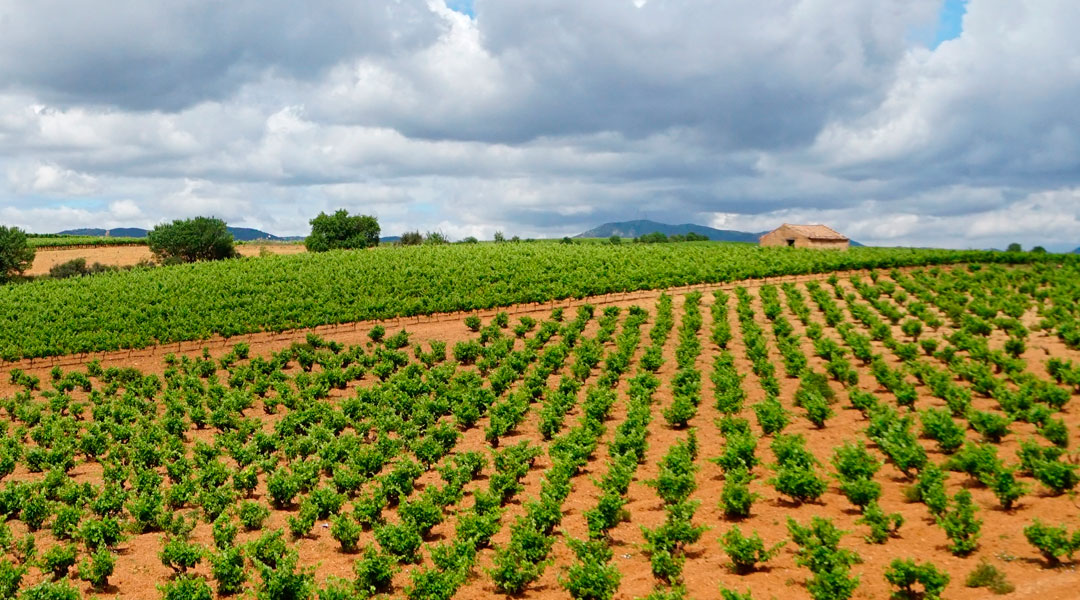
240 234
633 229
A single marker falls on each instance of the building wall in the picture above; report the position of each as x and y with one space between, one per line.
781 235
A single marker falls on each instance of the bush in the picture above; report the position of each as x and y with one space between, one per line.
253 514
592 577
340 230
961 525
904 574
16 254
190 240
180 555
97 568
374 572
11 576
58 559
402 541
746 552
881 524
49 590
736 497
1052 542
77 267
411 238
346 531
227 569
186 587
988 576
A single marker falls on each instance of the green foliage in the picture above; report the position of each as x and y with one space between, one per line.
190 240
346 531
882 525
592 577
988 576
374 571
747 552
186 587
1054 542
400 540
11 576
342 231
253 514
960 524
179 554
819 550
58 559
97 568
736 498
283 581
227 569
905 574
51 590
16 254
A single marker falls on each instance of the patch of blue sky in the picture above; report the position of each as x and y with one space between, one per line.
950 21
464 7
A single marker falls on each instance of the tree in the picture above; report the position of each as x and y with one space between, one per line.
201 238
16 254
499 237
340 230
1038 250
1014 247
411 238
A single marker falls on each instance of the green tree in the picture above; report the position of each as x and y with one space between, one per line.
340 230
1014 247
189 240
16 254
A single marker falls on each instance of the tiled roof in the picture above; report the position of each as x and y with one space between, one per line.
816 232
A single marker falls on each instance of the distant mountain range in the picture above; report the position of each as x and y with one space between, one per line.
633 229
240 234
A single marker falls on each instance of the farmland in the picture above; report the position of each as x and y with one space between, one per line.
197 301
608 447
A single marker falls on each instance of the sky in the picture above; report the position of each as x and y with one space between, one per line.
945 123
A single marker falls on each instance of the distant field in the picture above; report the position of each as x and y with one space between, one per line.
59 241
191 302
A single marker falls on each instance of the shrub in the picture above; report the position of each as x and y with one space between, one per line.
1052 542
252 514
11 576
283 581
905 574
961 525
988 576
58 559
190 240
881 524
591 577
50 590
736 497
180 554
400 540
340 230
800 482
97 568
227 569
76 267
346 531
16 254
746 552
411 238
186 587
374 572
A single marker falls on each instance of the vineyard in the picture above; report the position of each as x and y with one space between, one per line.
905 433
276 293
66 241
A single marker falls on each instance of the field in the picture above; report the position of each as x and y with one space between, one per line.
127 255
593 447
64 241
276 293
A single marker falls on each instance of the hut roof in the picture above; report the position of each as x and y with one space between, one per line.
817 232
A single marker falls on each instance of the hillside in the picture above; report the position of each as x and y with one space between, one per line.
633 229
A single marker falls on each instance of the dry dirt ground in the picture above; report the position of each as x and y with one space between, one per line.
1002 543
126 256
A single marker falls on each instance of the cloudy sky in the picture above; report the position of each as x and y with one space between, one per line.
900 122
